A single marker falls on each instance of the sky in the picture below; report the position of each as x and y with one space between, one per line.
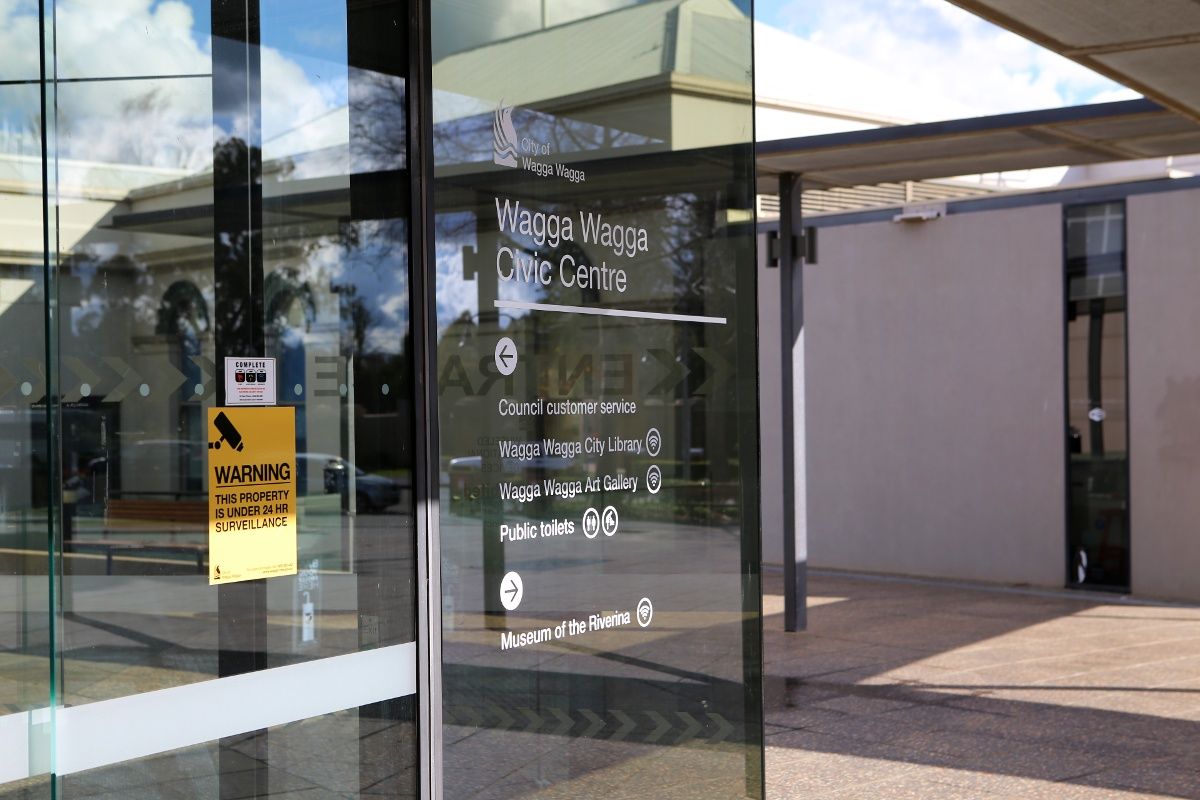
914 60
891 60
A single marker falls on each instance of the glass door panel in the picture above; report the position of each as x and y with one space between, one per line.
597 402
26 626
228 198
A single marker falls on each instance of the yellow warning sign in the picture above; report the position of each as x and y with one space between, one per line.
251 493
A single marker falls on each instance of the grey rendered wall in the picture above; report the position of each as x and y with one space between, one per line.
935 397
1164 393
771 451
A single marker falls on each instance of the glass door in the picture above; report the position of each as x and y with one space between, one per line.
223 180
597 400
1097 434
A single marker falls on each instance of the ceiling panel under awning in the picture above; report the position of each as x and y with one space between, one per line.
1151 47
1090 134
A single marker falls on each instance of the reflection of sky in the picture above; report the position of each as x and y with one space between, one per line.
373 272
201 13
167 122
307 28
379 273
456 295
312 34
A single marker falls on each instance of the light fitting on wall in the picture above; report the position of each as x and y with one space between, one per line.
922 212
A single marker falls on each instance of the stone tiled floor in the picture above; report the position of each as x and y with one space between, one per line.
904 689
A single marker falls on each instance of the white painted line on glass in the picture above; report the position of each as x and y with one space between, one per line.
14 747
109 731
607 312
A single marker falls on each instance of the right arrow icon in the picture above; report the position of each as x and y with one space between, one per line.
512 591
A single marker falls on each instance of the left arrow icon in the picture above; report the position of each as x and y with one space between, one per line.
512 591
506 356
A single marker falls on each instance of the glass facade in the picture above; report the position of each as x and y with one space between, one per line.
513 354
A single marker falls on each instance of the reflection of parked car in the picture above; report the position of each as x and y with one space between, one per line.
372 492
466 474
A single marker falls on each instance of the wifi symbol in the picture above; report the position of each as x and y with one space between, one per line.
654 479
653 441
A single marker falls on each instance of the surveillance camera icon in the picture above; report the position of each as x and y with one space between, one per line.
230 435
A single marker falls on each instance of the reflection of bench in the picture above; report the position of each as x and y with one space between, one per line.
188 512
110 546
150 518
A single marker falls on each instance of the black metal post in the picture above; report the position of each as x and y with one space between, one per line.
791 322
238 282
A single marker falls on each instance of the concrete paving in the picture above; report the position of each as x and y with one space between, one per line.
904 689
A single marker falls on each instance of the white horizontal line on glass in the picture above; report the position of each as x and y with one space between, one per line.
139 725
608 312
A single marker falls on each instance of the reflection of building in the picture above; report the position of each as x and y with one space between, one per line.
670 70
139 317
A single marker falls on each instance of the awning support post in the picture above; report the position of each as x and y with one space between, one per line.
791 324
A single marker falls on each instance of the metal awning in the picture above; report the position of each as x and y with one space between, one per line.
1121 131
1152 47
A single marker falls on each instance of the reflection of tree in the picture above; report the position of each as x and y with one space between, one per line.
355 318
378 122
158 134
285 294
238 301
370 275
468 139
145 129
233 161
107 287
183 311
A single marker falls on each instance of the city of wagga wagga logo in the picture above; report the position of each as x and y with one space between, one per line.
509 150
550 230
504 137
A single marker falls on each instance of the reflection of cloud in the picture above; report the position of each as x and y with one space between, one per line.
97 39
916 60
164 122
296 102
455 295
18 40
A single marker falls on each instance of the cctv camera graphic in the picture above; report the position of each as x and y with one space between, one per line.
230 435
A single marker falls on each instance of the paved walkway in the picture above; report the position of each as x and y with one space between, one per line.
920 690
